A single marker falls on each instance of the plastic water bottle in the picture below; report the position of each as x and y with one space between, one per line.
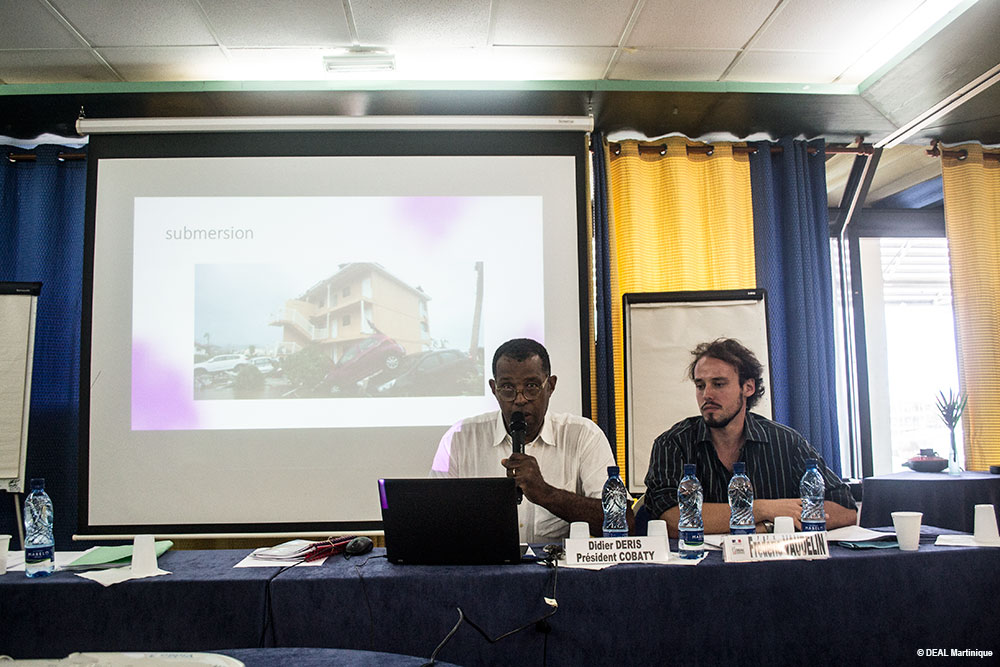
740 501
614 497
39 543
813 490
691 542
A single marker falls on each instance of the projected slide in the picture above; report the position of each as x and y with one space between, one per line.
275 312
266 323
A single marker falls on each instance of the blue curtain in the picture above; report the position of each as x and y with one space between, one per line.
41 239
602 266
793 264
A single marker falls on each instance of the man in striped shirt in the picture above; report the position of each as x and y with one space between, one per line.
728 381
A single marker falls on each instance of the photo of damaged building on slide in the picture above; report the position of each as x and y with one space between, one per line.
362 331
375 329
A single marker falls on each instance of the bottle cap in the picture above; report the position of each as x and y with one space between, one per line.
612 471
812 463
739 468
37 483
690 468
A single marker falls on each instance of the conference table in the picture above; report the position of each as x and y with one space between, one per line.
947 501
858 606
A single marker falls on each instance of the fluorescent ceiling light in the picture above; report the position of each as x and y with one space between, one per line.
360 60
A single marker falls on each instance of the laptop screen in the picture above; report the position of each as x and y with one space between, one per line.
445 521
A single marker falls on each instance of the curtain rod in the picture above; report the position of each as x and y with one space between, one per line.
960 154
62 156
709 149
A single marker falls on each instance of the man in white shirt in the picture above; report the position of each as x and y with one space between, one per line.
565 460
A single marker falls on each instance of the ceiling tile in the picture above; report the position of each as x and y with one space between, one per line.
250 23
176 63
551 63
57 66
29 25
579 22
502 63
788 67
698 24
277 64
131 23
431 23
807 25
672 65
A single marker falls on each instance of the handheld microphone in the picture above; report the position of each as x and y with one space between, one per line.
517 429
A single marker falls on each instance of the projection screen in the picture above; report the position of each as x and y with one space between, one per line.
273 321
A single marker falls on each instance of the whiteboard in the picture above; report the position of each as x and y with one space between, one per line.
659 331
17 341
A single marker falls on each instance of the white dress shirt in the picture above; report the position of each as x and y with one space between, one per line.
573 454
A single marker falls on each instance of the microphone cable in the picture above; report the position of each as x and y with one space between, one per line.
329 547
553 553
368 603
268 608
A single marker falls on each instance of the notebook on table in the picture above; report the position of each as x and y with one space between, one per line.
445 521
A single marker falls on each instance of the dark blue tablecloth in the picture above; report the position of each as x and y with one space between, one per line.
204 604
947 501
858 607
322 657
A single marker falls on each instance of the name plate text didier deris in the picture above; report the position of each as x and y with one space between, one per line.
613 550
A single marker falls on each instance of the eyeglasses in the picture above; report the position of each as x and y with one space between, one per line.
530 391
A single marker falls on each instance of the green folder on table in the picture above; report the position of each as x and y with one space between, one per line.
106 557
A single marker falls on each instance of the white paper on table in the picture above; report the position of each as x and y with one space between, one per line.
965 541
714 541
254 561
116 575
844 534
856 534
15 559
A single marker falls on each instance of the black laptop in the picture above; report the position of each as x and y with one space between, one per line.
446 521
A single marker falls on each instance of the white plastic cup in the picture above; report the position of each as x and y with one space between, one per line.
907 525
143 556
985 526
784 524
579 530
656 528
4 546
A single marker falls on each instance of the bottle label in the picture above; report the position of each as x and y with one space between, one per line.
692 538
742 530
39 554
813 526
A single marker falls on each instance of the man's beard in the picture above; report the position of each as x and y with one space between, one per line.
723 421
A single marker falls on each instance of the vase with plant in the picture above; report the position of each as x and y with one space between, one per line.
950 408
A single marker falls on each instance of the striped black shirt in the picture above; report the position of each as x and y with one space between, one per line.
775 456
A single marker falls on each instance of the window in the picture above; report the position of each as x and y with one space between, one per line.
909 344
910 328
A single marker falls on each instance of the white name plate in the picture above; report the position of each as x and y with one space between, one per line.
613 550
770 546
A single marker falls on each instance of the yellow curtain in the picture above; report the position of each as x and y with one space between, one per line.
677 222
972 221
